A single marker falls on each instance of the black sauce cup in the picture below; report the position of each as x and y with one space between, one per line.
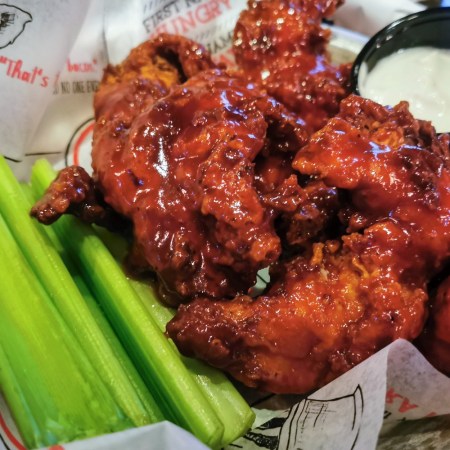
428 28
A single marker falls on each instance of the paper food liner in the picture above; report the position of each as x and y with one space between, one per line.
395 385
371 16
46 99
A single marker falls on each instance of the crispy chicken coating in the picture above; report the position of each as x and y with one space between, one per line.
330 310
434 342
124 92
187 166
183 172
281 46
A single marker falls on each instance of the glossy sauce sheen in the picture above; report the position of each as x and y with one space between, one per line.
326 312
418 75
281 46
184 173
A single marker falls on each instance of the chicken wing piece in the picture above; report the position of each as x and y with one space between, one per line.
434 342
183 172
392 165
330 310
124 92
74 192
322 316
178 161
146 75
315 220
281 46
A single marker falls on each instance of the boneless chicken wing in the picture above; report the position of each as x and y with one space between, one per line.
434 342
281 46
322 315
184 175
124 92
181 168
331 309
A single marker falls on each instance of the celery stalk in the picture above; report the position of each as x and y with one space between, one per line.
54 276
179 396
44 371
232 410
17 401
119 352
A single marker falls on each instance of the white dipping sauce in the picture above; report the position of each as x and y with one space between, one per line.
419 75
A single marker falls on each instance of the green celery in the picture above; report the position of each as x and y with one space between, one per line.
119 352
229 405
179 396
17 402
54 276
232 410
44 371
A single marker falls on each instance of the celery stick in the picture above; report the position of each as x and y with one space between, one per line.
17 402
41 358
135 379
119 352
54 276
232 410
179 396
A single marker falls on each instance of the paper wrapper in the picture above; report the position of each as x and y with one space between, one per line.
46 99
395 385
371 16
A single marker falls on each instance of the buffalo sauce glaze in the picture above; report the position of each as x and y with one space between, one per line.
183 172
327 311
282 47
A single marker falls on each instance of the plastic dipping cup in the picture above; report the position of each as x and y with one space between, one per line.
405 39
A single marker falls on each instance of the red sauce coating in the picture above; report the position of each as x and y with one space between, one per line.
329 310
184 173
281 46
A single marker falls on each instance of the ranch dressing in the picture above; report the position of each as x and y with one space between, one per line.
419 75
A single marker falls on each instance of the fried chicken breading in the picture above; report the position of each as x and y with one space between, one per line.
281 46
326 313
434 342
124 92
183 173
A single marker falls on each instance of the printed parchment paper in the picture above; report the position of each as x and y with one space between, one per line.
49 70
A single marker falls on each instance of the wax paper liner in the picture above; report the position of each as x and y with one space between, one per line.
46 99
394 385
